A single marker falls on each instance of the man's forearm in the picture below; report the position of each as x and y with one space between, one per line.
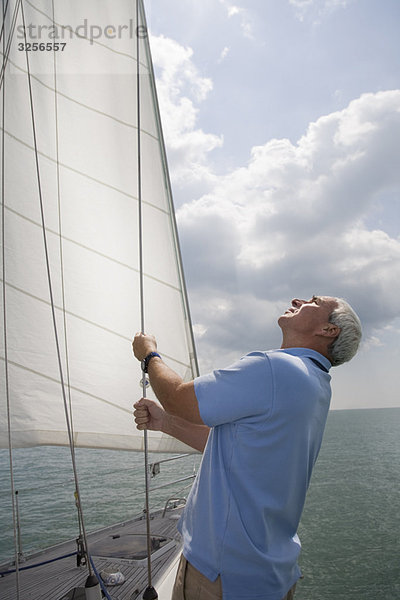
164 382
191 434
176 397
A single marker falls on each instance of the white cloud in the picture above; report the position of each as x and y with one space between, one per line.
231 9
181 88
372 342
245 20
224 54
292 222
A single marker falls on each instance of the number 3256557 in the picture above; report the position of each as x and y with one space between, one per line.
42 47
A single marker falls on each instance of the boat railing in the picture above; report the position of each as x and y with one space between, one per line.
155 469
172 503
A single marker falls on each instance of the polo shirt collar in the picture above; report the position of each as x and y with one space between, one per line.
323 362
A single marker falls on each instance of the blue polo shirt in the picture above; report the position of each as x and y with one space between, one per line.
267 413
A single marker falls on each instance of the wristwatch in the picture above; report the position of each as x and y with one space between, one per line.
145 361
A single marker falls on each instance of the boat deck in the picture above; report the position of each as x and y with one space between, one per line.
121 547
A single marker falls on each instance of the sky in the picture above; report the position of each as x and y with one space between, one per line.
282 125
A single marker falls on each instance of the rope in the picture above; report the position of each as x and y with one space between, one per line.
50 286
7 384
99 579
45 562
149 589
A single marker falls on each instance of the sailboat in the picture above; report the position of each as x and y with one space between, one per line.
90 255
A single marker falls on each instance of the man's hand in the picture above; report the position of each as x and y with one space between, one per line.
148 415
177 397
143 344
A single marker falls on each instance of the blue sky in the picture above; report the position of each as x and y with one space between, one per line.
282 125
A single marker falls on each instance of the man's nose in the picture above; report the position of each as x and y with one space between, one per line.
296 302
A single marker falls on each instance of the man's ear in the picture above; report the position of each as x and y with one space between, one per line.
329 330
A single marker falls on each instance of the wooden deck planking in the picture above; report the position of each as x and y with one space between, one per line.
53 581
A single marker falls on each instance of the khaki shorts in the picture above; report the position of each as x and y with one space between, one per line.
190 584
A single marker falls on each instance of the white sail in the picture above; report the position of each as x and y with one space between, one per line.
84 105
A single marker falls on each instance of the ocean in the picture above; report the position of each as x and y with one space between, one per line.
349 529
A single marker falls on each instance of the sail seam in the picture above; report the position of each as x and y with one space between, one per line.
87 106
80 318
57 381
75 389
92 250
108 185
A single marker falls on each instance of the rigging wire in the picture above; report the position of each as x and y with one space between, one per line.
64 313
150 593
50 287
17 546
6 51
4 21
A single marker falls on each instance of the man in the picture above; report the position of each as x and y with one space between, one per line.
260 424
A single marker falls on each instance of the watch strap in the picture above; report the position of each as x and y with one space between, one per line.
145 361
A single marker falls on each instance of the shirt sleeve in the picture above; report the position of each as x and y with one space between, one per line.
242 390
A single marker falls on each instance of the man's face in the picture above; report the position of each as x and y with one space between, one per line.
307 316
